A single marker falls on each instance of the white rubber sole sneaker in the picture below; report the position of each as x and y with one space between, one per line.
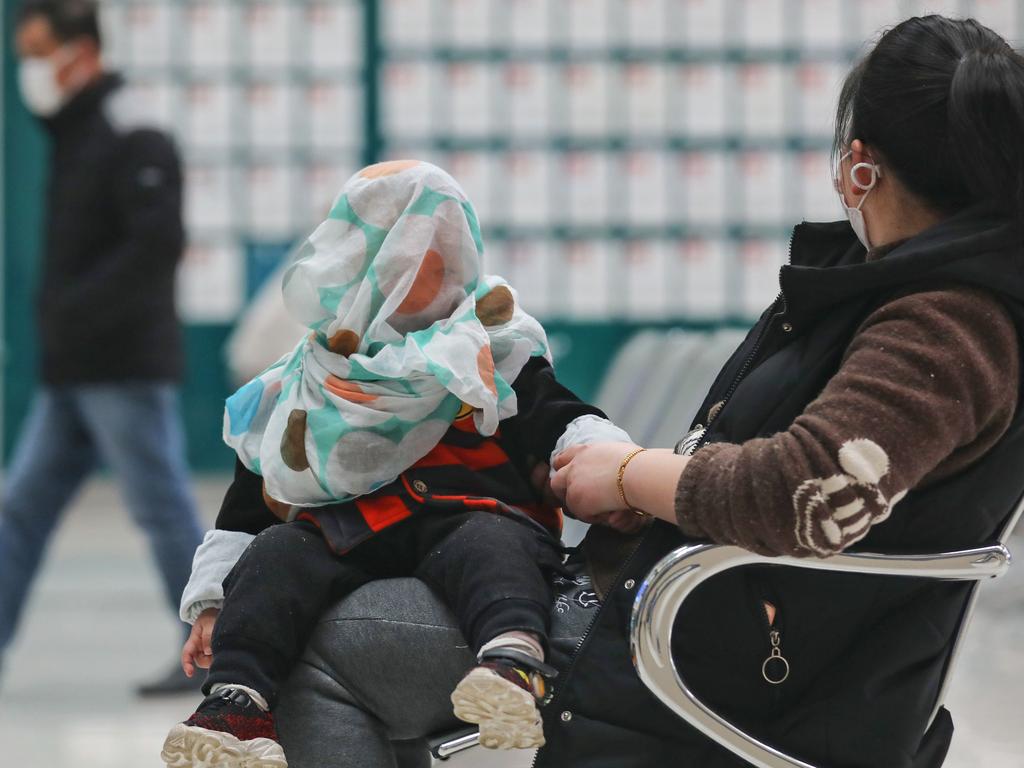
507 715
188 746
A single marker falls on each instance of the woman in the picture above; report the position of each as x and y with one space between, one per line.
873 405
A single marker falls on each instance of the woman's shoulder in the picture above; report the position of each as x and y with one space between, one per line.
950 320
952 348
951 299
956 337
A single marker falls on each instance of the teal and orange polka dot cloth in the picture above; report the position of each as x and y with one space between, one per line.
404 329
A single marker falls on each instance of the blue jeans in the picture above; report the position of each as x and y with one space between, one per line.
135 428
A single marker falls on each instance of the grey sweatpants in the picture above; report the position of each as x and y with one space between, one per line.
374 681
377 673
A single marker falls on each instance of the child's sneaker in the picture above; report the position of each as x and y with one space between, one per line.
229 730
502 694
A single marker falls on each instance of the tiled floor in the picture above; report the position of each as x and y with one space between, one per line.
95 626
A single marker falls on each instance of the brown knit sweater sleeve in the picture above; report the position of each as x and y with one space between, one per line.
927 386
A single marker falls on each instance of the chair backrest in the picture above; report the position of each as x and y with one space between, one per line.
673 358
621 384
1003 539
659 378
1011 522
690 388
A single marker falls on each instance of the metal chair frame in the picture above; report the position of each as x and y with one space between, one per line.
671 581
447 745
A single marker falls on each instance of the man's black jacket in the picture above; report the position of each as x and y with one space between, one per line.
113 239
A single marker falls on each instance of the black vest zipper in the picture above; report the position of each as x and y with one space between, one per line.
587 631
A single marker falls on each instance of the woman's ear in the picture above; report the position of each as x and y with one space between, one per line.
859 153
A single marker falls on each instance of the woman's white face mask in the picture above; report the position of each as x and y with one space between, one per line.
37 80
855 214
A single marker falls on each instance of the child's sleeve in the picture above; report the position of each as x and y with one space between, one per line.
551 418
243 508
243 514
213 561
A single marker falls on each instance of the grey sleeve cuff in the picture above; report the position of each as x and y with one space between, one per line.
589 429
213 561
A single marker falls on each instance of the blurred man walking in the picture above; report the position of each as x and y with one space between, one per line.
110 341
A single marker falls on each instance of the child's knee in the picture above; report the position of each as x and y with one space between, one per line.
279 540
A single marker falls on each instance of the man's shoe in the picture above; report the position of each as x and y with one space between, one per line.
174 682
229 730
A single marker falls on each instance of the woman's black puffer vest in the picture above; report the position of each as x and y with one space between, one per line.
867 654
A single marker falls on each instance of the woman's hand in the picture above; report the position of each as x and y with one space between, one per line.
587 482
198 650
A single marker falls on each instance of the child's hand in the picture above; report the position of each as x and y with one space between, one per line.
622 520
540 479
627 521
198 650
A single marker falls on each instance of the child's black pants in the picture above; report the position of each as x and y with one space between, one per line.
491 570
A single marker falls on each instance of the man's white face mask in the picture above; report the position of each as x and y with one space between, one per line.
37 80
855 214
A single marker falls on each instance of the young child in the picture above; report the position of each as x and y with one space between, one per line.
396 440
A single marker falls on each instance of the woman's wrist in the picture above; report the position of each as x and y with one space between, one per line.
620 480
650 481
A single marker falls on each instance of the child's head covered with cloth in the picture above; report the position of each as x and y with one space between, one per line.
406 330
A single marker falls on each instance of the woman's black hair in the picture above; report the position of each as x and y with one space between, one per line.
942 100
69 19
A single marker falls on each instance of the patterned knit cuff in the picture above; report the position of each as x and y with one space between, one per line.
695 491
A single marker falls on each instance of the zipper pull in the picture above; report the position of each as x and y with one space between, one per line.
689 443
776 660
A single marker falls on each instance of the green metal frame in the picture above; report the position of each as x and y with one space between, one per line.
23 180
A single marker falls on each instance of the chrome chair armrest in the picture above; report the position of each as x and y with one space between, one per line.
672 580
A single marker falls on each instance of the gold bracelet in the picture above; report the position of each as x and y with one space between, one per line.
622 474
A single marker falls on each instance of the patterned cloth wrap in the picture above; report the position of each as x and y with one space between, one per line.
406 331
